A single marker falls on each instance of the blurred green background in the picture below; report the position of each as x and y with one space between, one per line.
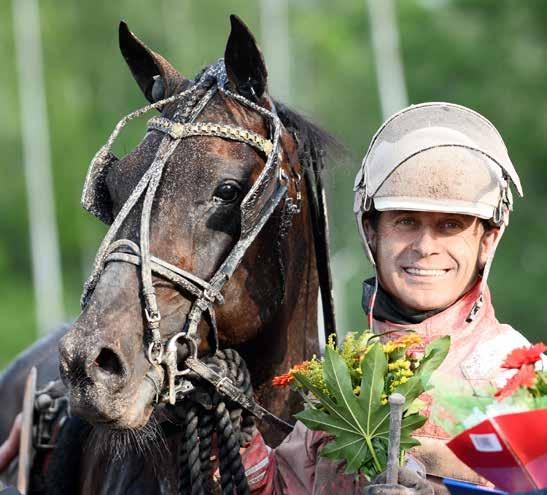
489 55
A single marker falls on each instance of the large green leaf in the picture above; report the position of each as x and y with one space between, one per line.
326 401
319 420
338 381
350 448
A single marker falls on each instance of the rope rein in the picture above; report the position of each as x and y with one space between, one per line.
211 413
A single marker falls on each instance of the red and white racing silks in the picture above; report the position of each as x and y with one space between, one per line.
476 353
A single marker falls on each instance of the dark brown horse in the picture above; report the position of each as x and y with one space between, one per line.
269 309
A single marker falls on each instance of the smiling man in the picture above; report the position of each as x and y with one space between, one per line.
432 199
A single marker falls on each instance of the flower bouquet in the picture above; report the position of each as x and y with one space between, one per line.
347 391
503 435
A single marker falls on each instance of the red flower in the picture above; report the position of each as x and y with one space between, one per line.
524 355
282 380
285 379
525 377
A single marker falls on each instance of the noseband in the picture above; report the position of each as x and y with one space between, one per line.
256 208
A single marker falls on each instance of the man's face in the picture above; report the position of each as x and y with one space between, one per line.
428 260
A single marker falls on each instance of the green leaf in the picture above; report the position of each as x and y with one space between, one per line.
416 406
408 425
324 399
350 448
435 353
319 420
338 381
373 366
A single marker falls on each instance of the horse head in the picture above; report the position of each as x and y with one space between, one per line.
199 245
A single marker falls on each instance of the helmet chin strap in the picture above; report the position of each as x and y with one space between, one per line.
486 271
372 302
370 256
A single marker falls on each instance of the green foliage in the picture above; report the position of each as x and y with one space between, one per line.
359 422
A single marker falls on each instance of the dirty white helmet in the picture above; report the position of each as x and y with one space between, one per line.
437 157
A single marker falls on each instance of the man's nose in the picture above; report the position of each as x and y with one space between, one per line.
426 242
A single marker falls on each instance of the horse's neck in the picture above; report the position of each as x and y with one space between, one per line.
292 335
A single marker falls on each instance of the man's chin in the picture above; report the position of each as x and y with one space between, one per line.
430 301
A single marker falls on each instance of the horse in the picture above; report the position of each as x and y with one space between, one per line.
225 189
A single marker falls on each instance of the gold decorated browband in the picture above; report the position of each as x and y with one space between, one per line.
179 130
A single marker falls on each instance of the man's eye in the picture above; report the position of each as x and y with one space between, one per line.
406 221
451 225
227 192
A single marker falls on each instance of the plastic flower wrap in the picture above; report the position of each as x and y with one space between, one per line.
502 435
347 392
526 390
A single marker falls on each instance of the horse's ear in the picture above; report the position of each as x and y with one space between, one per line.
244 62
146 65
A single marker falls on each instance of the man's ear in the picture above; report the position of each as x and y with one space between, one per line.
244 62
156 77
488 244
371 234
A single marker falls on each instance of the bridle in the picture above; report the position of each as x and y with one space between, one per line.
256 208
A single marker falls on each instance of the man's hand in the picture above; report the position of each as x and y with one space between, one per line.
10 448
410 483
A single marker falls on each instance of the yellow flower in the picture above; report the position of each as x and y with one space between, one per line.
408 340
400 364
389 347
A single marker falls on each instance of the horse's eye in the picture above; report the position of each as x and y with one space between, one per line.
228 192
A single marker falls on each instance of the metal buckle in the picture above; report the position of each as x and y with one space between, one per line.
47 416
154 318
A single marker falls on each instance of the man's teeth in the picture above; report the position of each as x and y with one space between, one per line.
425 273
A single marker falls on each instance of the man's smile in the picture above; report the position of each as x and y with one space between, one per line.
425 272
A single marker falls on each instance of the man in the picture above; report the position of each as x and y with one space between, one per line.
432 200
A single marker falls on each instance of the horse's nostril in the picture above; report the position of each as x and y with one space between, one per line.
109 362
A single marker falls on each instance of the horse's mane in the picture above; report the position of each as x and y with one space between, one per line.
314 143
